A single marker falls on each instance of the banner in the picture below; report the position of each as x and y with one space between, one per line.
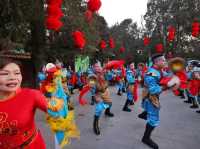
81 63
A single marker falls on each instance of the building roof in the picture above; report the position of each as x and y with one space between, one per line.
17 55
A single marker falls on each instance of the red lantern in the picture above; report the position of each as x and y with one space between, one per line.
53 2
146 41
195 29
53 23
88 15
171 33
122 49
111 43
102 44
79 40
159 48
54 11
94 5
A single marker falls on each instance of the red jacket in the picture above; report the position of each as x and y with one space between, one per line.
194 87
183 79
17 125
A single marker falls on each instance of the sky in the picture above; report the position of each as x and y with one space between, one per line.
117 10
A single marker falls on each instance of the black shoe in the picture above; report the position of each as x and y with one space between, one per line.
182 97
150 143
143 115
188 101
194 106
147 137
96 125
132 102
108 113
198 111
125 108
119 92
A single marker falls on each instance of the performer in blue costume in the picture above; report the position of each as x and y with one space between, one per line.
102 98
150 103
130 80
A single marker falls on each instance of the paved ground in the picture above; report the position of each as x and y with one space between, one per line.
179 128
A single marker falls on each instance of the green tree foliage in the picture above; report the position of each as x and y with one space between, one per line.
179 13
127 34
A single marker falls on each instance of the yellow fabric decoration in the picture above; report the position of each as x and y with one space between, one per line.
50 88
57 73
55 104
64 124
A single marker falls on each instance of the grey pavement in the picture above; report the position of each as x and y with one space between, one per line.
179 127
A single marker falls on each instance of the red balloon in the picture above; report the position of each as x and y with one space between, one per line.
79 39
111 43
102 44
53 23
146 41
94 5
159 48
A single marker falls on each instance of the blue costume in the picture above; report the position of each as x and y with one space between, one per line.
151 81
150 103
120 82
130 78
102 92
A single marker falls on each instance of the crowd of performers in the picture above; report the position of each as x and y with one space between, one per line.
57 84
153 80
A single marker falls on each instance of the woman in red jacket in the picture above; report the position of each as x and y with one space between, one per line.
17 110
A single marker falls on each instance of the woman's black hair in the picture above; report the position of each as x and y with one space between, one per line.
6 60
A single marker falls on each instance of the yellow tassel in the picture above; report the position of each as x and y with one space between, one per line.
64 124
